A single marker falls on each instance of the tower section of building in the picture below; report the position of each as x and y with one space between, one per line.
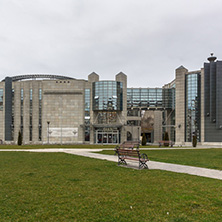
108 110
213 100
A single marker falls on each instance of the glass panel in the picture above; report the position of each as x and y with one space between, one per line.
1 99
87 114
192 106
107 95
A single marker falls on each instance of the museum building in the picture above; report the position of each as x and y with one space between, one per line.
61 110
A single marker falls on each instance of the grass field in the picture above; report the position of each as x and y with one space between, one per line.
63 187
208 158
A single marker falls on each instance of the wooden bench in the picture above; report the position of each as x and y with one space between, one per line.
129 145
132 154
166 143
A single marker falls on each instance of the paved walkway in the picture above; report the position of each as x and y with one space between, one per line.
198 171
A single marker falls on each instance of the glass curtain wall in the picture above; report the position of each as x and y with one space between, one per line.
192 106
1 99
107 95
107 102
151 97
107 136
87 114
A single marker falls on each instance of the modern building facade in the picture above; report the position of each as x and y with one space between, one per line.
199 103
62 110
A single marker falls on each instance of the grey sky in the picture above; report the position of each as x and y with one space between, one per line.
144 39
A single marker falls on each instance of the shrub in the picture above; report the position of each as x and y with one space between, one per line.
144 140
166 138
19 138
194 141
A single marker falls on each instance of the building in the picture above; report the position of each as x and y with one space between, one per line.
199 103
62 110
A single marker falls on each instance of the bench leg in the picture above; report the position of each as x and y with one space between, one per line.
121 161
143 165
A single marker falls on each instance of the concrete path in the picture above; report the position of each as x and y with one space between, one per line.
198 171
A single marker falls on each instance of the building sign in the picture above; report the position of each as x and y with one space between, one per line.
63 132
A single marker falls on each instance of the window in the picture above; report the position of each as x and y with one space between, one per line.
107 95
192 106
87 114
1 99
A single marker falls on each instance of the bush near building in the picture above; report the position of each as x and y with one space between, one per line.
166 138
19 138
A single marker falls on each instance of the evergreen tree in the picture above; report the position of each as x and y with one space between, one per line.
144 140
166 138
19 138
194 141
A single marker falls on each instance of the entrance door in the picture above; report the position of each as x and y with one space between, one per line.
106 137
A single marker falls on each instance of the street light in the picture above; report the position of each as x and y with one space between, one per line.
48 122
138 134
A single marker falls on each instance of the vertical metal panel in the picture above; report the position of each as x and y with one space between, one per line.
207 89
219 96
213 92
8 109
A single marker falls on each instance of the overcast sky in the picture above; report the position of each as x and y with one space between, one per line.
147 40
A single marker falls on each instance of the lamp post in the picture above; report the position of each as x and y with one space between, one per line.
48 122
138 134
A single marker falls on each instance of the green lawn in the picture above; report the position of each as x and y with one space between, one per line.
208 158
64 187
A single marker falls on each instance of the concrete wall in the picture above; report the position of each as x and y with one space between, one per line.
121 77
180 104
63 107
202 128
158 119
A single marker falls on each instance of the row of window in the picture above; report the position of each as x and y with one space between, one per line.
1 99
151 97
192 106
107 95
30 112
87 114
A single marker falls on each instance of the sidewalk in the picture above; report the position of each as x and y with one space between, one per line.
153 165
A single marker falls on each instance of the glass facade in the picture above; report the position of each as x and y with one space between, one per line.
1 99
192 106
107 136
87 114
151 97
107 95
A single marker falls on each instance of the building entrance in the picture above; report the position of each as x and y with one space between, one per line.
106 136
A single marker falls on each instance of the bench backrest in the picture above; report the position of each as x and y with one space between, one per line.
130 144
127 152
